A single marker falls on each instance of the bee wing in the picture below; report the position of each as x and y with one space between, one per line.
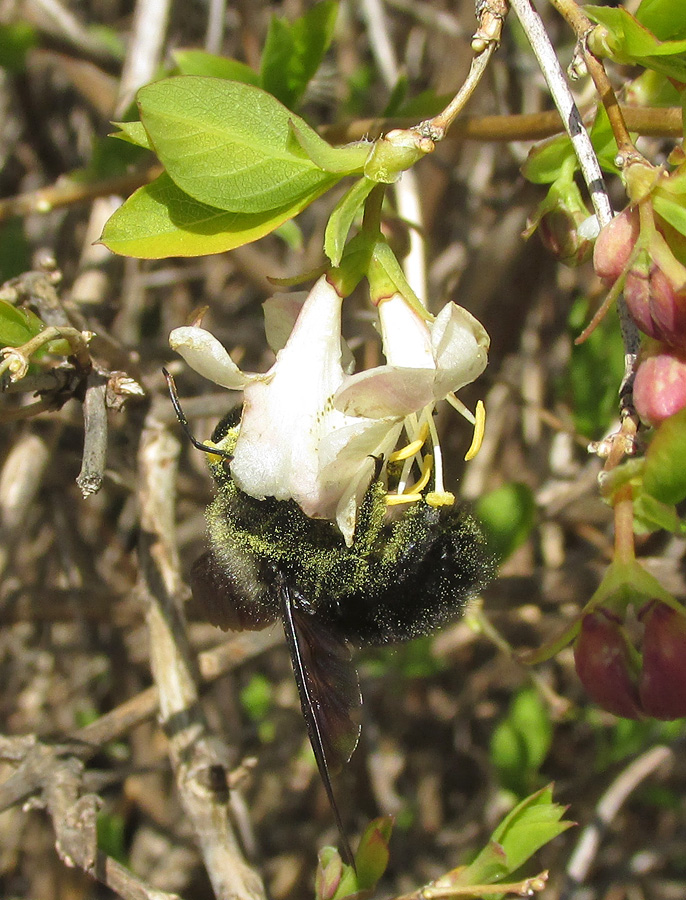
223 600
329 692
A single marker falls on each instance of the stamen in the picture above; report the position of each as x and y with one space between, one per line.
412 448
479 428
399 499
435 499
457 404
438 456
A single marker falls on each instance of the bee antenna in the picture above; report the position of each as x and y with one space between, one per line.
183 421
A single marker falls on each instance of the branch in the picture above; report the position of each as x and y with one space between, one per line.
200 774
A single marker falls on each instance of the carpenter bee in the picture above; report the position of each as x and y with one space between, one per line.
399 579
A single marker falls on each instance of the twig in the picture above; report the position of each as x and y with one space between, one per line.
608 806
562 97
144 54
407 189
200 775
87 741
582 26
94 456
588 163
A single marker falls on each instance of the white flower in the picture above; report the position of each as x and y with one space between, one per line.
309 431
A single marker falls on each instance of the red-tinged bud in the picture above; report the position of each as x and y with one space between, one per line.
637 294
668 309
603 664
329 874
660 385
614 244
662 686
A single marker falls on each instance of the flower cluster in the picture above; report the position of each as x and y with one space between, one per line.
642 253
310 429
630 679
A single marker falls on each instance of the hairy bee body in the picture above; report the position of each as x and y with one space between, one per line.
397 580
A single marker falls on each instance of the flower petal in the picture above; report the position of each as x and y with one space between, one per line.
405 335
280 315
276 454
208 356
460 345
386 391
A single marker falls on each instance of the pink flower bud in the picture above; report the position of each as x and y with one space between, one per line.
660 385
614 244
662 685
603 664
655 304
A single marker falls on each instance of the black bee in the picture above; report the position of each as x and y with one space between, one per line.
399 579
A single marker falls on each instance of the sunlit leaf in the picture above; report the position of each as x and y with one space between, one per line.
228 145
159 220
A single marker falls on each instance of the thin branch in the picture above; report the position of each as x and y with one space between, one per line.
200 774
562 97
94 455
607 808
588 163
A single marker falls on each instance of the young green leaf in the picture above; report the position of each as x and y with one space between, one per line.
521 741
159 220
372 854
664 476
133 133
227 144
17 326
294 50
341 219
630 42
336 160
531 824
199 62
664 18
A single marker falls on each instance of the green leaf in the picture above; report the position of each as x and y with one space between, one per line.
531 824
132 133
595 370
345 160
341 219
651 515
671 210
508 515
293 51
664 476
17 325
664 18
159 220
630 42
228 144
371 858
520 743
198 62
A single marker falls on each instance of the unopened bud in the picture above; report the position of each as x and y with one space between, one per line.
662 686
660 385
614 245
603 663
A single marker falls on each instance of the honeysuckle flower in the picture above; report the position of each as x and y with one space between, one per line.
310 431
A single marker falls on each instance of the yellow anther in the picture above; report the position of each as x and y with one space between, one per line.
479 427
399 499
440 498
412 448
